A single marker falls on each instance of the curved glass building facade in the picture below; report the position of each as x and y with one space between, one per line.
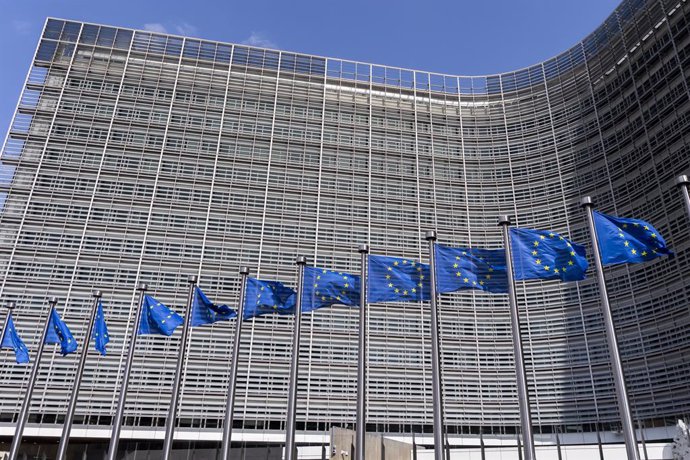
140 157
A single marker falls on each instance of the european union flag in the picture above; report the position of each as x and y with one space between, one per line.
392 279
11 339
466 268
264 297
541 254
323 288
58 332
157 318
206 312
622 240
100 330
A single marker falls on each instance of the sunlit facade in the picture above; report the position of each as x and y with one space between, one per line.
140 157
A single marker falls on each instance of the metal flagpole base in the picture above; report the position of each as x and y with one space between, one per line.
26 404
69 417
290 449
117 420
436 391
520 373
616 363
230 403
361 423
174 400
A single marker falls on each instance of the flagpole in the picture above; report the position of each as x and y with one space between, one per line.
232 380
616 363
172 410
24 413
10 306
69 418
523 395
439 445
117 421
290 451
361 422
682 182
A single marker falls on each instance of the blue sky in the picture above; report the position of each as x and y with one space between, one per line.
451 36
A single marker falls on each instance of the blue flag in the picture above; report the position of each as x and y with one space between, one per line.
157 318
465 268
622 240
206 312
58 332
100 330
392 279
264 297
11 339
323 288
541 254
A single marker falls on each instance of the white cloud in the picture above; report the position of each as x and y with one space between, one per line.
259 39
21 27
155 27
185 29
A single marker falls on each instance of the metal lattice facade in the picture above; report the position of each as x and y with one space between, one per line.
135 156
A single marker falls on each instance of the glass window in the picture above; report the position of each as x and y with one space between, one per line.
53 29
46 50
70 32
174 46
123 39
89 34
191 49
106 37
223 53
6 173
207 51
13 148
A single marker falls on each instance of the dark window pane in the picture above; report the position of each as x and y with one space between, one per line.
70 32
123 38
302 64
174 46
493 84
256 57
287 62
46 50
208 51
89 34
191 49
141 41
271 60
158 43
53 29
318 66
240 56
106 37
223 53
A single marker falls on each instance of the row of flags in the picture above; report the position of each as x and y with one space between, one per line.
537 254
157 318
57 333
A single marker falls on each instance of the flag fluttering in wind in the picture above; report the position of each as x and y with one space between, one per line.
157 318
